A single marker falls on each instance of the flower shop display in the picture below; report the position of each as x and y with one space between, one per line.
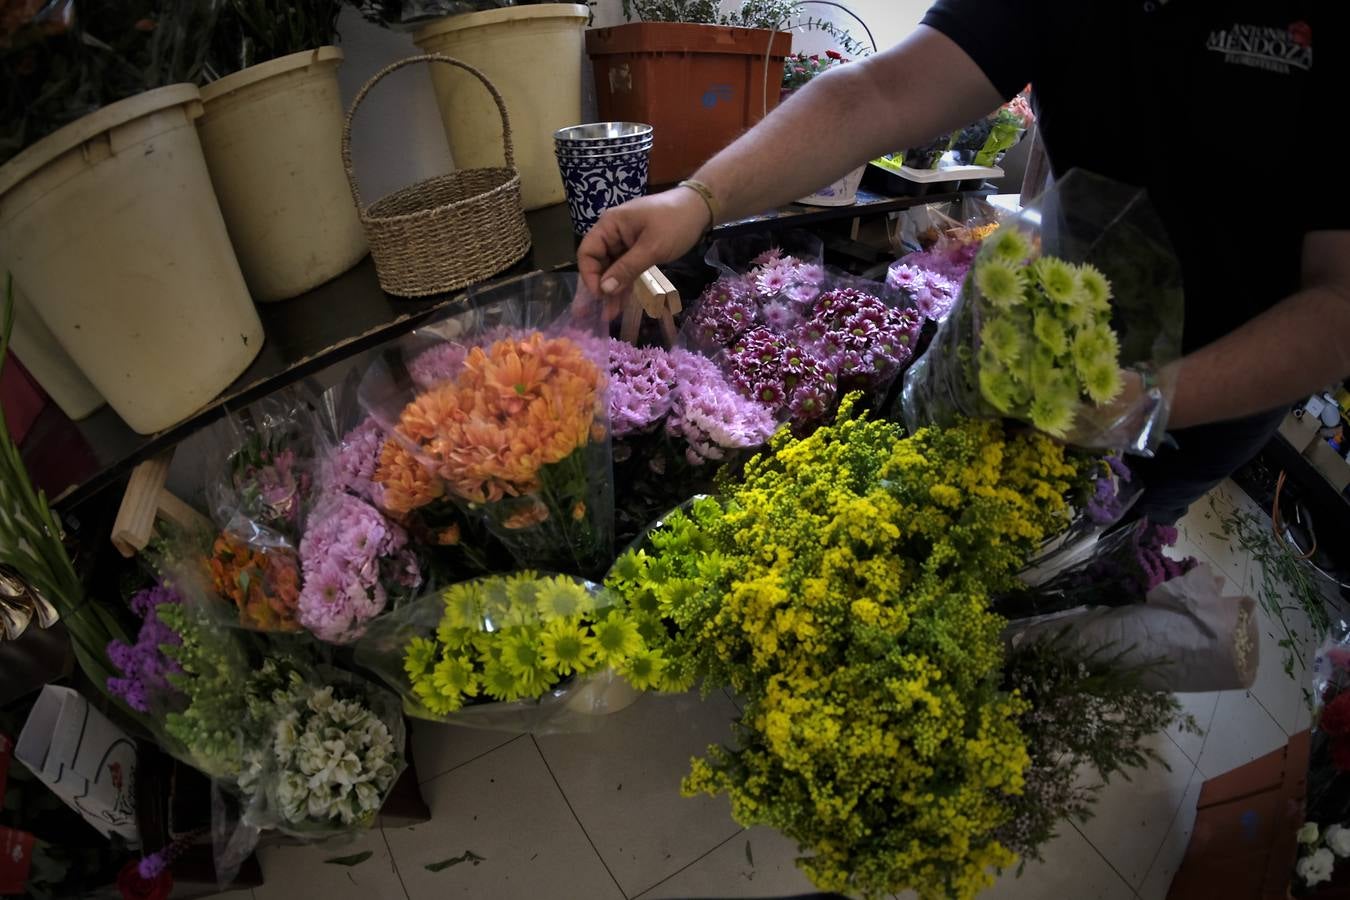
525 651
533 54
675 421
690 56
1329 761
841 589
984 143
516 435
1045 327
271 129
932 295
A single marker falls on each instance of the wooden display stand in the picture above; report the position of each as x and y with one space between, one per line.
1243 845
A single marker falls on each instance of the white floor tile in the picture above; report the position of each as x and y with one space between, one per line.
1072 870
623 781
1201 707
1203 529
439 748
1173 849
1241 732
1279 689
301 871
1131 817
505 809
767 869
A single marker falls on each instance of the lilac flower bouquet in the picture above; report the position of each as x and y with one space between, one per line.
931 294
675 422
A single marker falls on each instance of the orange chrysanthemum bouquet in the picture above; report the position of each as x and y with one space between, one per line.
501 410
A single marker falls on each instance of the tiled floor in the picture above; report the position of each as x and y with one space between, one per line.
600 815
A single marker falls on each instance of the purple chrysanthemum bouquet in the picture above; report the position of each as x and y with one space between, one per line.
675 421
349 554
931 294
144 666
776 291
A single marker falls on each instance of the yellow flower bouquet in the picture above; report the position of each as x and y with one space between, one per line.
842 590
527 651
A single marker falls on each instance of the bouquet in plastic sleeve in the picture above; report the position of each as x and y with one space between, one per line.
1329 760
984 143
512 424
676 421
261 487
762 280
929 155
324 749
521 652
1065 300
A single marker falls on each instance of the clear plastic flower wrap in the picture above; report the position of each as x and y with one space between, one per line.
1069 304
527 651
502 410
324 748
261 470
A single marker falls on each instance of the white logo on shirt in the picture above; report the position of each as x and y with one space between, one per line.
1263 47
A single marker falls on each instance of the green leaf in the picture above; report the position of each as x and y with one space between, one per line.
468 856
354 860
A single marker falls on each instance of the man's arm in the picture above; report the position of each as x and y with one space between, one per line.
1293 349
924 86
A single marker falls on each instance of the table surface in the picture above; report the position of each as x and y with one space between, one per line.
72 461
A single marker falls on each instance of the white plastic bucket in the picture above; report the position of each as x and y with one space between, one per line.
272 138
111 227
534 55
44 359
843 192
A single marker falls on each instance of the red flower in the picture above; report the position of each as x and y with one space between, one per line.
1335 718
834 54
134 887
815 57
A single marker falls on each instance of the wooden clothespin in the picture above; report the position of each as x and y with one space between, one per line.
653 295
145 500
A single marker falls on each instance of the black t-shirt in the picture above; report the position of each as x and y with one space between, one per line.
1223 111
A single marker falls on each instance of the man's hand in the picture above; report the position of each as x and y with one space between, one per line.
630 239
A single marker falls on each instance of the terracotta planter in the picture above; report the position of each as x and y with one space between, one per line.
698 86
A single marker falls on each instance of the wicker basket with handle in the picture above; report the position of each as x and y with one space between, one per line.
446 232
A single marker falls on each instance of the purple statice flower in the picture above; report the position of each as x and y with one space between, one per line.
348 552
350 466
437 364
725 310
144 666
708 414
640 380
1105 505
1156 567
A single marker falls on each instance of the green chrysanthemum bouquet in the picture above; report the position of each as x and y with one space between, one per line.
543 639
1065 305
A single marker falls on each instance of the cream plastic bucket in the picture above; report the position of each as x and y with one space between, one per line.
272 137
111 227
534 55
44 359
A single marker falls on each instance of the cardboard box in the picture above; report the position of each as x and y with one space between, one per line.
1329 463
1299 431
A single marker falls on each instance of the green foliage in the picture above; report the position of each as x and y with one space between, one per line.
254 31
